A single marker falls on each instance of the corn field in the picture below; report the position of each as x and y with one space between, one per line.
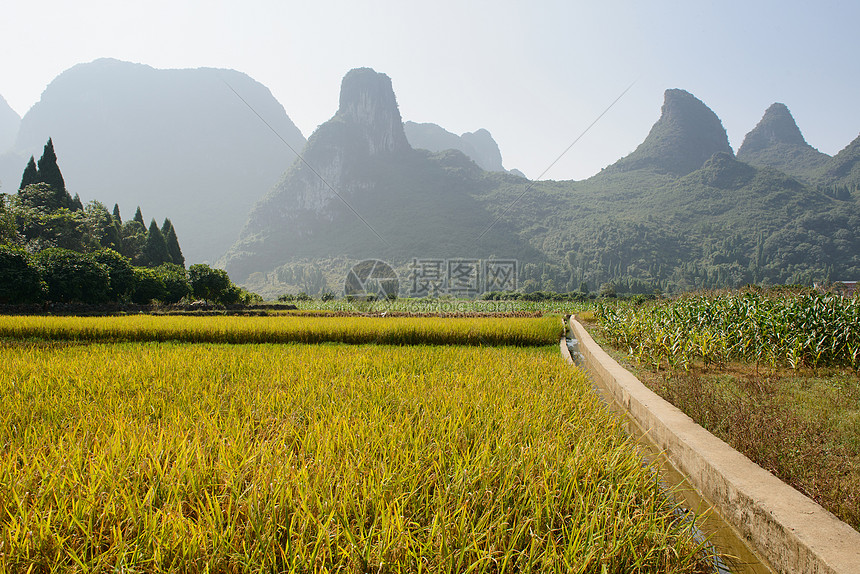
778 329
178 457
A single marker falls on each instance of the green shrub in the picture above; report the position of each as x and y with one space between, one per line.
19 278
120 272
148 286
175 280
72 276
210 284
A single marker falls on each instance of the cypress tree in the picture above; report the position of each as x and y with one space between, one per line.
31 174
117 225
138 216
155 248
172 243
76 203
49 171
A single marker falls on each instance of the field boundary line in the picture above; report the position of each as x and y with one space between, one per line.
790 531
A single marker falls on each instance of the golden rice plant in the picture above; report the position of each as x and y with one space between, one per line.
166 457
289 329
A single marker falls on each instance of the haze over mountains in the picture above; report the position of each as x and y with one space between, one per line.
478 145
369 194
175 142
9 122
680 211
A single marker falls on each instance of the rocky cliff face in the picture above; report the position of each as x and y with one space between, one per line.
366 130
368 104
364 192
179 143
687 134
777 142
486 149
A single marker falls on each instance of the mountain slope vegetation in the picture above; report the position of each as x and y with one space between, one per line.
680 212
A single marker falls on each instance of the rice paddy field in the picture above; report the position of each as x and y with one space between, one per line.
126 455
288 329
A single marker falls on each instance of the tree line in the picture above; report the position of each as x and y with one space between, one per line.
54 248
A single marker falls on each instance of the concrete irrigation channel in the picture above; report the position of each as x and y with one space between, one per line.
765 524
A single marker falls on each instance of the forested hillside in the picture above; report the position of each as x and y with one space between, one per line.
680 212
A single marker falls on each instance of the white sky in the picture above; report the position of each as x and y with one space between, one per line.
535 74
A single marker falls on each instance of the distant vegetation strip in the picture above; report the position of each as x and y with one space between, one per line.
289 329
443 306
806 329
300 458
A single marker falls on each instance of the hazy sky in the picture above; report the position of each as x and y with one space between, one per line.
535 74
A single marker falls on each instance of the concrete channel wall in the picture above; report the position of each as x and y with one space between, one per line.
789 530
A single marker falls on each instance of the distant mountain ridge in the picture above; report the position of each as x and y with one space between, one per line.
679 212
685 136
478 145
777 142
365 192
172 141
9 123
844 167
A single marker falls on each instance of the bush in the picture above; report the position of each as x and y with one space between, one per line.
72 276
248 298
175 280
608 291
302 296
148 286
19 278
327 296
210 284
286 298
120 272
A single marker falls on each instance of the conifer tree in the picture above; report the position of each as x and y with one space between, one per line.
155 249
172 243
116 215
138 216
49 171
31 174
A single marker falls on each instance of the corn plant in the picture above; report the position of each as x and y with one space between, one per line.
797 330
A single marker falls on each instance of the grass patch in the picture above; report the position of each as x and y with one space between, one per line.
802 426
